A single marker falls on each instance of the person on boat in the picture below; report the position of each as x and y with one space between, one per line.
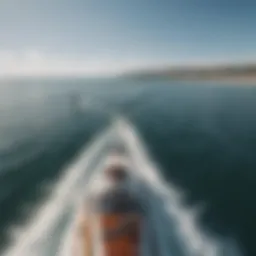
119 211
118 199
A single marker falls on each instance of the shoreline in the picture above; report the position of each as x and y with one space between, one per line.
244 74
226 80
231 80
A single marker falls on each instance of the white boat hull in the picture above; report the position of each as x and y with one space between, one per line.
162 234
170 229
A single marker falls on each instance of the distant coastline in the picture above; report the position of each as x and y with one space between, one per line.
236 80
235 74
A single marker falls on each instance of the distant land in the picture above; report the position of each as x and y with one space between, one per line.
223 73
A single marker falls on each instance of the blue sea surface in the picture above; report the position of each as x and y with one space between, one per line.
201 134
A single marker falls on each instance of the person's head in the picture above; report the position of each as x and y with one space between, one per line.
117 173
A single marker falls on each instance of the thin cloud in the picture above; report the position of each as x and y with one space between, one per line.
35 63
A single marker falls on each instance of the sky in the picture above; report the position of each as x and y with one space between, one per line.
88 37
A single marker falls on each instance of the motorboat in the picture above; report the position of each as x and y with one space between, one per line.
151 233
67 225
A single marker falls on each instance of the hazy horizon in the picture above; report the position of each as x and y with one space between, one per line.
92 38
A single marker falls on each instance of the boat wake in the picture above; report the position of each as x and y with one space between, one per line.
176 228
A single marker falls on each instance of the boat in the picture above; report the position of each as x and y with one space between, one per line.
155 233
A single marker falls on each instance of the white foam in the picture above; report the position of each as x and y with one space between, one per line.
189 237
32 239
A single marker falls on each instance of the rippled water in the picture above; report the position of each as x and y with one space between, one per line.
203 136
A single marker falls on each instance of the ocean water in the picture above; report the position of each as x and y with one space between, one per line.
201 134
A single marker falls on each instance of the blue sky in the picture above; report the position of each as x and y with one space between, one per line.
101 36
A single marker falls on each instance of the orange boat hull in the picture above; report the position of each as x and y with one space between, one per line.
124 244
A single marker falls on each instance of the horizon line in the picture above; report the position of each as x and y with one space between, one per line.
80 72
